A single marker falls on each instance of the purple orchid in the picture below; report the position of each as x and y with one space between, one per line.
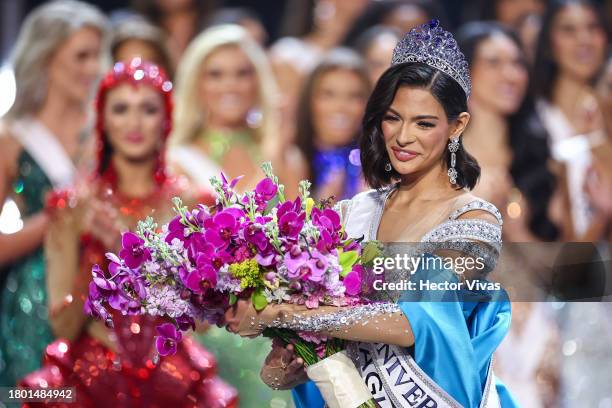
266 259
206 269
325 242
318 264
265 190
254 234
100 280
208 254
101 288
168 339
352 281
134 252
93 305
295 260
223 227
290 224
176 230
327 218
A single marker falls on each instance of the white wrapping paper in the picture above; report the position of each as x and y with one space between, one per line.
339 382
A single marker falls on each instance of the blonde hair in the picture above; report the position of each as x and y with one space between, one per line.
44 31
188 120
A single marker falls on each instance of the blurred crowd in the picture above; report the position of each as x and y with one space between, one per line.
292 92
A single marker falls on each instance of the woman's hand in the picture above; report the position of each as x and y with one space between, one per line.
282 369
101 220
244 320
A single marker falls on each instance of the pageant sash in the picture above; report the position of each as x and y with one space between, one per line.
395 380
198 167
46 150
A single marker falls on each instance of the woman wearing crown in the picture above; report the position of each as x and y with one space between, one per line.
115 366
411 353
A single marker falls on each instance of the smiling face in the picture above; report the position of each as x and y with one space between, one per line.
75 66
416 131
228 87
338 101
578 41
134 121
499 74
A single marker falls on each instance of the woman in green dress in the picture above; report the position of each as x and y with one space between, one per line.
225 119
56 65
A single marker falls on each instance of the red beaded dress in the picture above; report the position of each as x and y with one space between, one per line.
116 367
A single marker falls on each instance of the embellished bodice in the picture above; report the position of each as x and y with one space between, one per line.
472 237
362 215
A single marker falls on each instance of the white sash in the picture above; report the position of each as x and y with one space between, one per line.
46 150
395 380
391 374
198 167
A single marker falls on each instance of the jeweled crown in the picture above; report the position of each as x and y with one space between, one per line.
436 47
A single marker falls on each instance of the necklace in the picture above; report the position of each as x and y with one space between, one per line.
219 143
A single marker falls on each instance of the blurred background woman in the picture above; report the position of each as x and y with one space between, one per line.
505 133
115 366
56 64
329 120
225 120
511 147
570 53
226 111
310 29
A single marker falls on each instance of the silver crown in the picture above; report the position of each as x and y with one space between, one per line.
436 47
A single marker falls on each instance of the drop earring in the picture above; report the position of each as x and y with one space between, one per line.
453 148
388 167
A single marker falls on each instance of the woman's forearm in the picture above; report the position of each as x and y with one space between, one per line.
21 243
68 318
374 323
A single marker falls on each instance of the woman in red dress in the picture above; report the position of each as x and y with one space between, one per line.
116 366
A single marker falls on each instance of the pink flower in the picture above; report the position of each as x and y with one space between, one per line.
352 281
318 264
265 190
168 339
134 252
223 227
176 230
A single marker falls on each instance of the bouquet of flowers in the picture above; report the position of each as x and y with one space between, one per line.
255 245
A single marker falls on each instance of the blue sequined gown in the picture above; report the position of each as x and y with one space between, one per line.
327 163
454 340
24 329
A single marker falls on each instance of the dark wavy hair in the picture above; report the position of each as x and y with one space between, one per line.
528 137
447 92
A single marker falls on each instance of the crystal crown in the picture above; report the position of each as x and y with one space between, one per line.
436 47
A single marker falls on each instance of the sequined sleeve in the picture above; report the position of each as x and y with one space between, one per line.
473 237
376 322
